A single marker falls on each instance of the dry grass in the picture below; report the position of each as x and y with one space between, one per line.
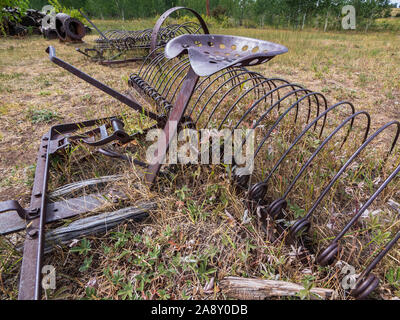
198 233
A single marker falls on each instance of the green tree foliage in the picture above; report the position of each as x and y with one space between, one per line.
296 14
22 5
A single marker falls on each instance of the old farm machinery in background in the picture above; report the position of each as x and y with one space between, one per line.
205 81
120 46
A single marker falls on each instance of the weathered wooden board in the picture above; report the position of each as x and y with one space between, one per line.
260 289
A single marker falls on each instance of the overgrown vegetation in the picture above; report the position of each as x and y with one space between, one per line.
323 15
6 15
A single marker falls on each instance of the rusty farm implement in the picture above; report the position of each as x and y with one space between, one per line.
205 81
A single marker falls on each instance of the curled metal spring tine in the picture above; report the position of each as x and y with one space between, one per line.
270 94
306 219
210 83
322 145
148 59
367 282
254 192
328 255
152 65
307 94
255 86
177 73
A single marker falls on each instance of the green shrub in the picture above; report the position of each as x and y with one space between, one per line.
74 13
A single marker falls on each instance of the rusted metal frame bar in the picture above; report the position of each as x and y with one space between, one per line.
29 286
111 62
115 94
118 134
165 15
12 205
171 127
93 25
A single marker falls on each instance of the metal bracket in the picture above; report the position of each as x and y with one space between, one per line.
12 205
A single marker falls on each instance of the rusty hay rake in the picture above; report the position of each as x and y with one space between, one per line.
121 46
203 81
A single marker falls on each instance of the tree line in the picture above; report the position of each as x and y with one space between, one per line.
296 14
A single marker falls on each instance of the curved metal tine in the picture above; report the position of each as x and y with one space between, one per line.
215 91
181 65
270 93
180 28
270 130
276 104
254 87
222 98
211 82
370 200
173 66
381 254
190 25
148 60
327 139
178 86
162 71
348 162
309 126
171 80
151 67
280 118
264 97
